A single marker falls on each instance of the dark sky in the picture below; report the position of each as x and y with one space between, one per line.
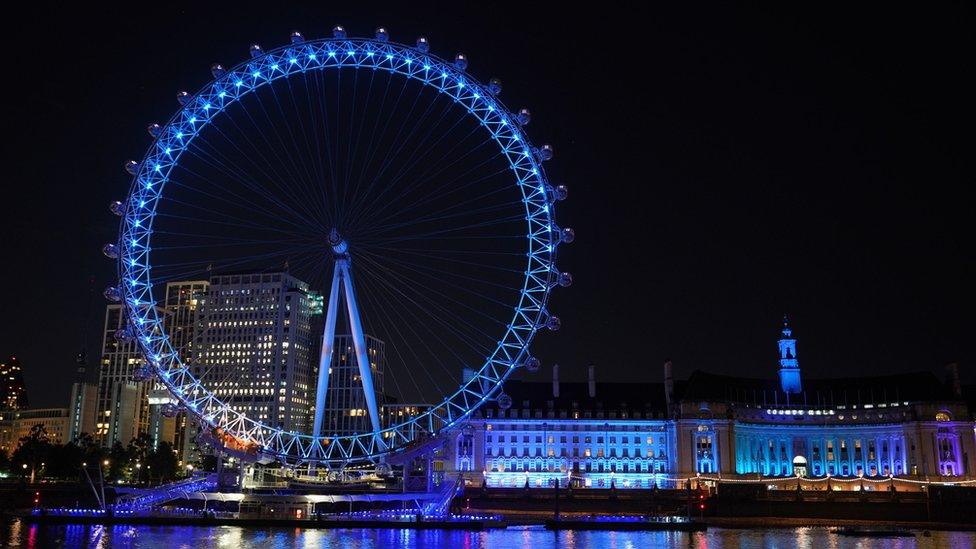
725 167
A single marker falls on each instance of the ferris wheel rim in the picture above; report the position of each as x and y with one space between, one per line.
229 87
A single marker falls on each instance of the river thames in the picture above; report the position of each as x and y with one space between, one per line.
17 534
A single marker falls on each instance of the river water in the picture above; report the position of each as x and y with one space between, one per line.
17 534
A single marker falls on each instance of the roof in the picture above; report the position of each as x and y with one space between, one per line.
910 387
637 397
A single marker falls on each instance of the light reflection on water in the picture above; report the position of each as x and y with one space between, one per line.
13 533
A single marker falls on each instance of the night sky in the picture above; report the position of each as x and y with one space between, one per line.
725 168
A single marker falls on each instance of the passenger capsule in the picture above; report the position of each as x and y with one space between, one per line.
123 335
297 37
524 116
568 235
422 44
256 51
154 130
217 70
564 279
141 373
533 364
183 97
111 251
461 61
495 86
504 401
545 152
382 35
554 324
112 294
338 31
170 410
117 208
132 167
560 193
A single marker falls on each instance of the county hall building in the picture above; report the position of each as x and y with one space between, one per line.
850 433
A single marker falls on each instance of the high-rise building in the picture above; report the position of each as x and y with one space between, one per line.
182 324
119 390
254 349
13 392
82 409
345 405
123 413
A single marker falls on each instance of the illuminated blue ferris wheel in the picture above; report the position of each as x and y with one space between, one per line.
383 177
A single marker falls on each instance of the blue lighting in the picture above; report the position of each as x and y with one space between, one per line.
136 265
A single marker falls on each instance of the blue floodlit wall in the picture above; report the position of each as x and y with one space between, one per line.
588 453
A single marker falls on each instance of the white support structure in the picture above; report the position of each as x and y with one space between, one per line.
342 276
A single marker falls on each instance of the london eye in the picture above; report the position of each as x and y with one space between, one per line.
403 200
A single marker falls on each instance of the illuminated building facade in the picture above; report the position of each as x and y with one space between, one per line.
589 435
122 411
844 433
345 405
16 424
254 348
82 407
13 392
183 322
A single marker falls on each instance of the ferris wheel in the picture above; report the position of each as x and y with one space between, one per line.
389 186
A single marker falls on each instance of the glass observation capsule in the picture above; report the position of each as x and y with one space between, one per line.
123 335
524 116
154 129
217 70
561 192
554 324
567 235
256 50
111 251
545 152
112 293
132 167
117 208
182 97
170 410
461 61
504 401
141 373
495 86
382 35
297 37
533 364
339 31
422 44
564 279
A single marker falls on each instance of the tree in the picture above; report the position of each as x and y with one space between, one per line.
33 451
5 464
117 461
162 462
64 461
